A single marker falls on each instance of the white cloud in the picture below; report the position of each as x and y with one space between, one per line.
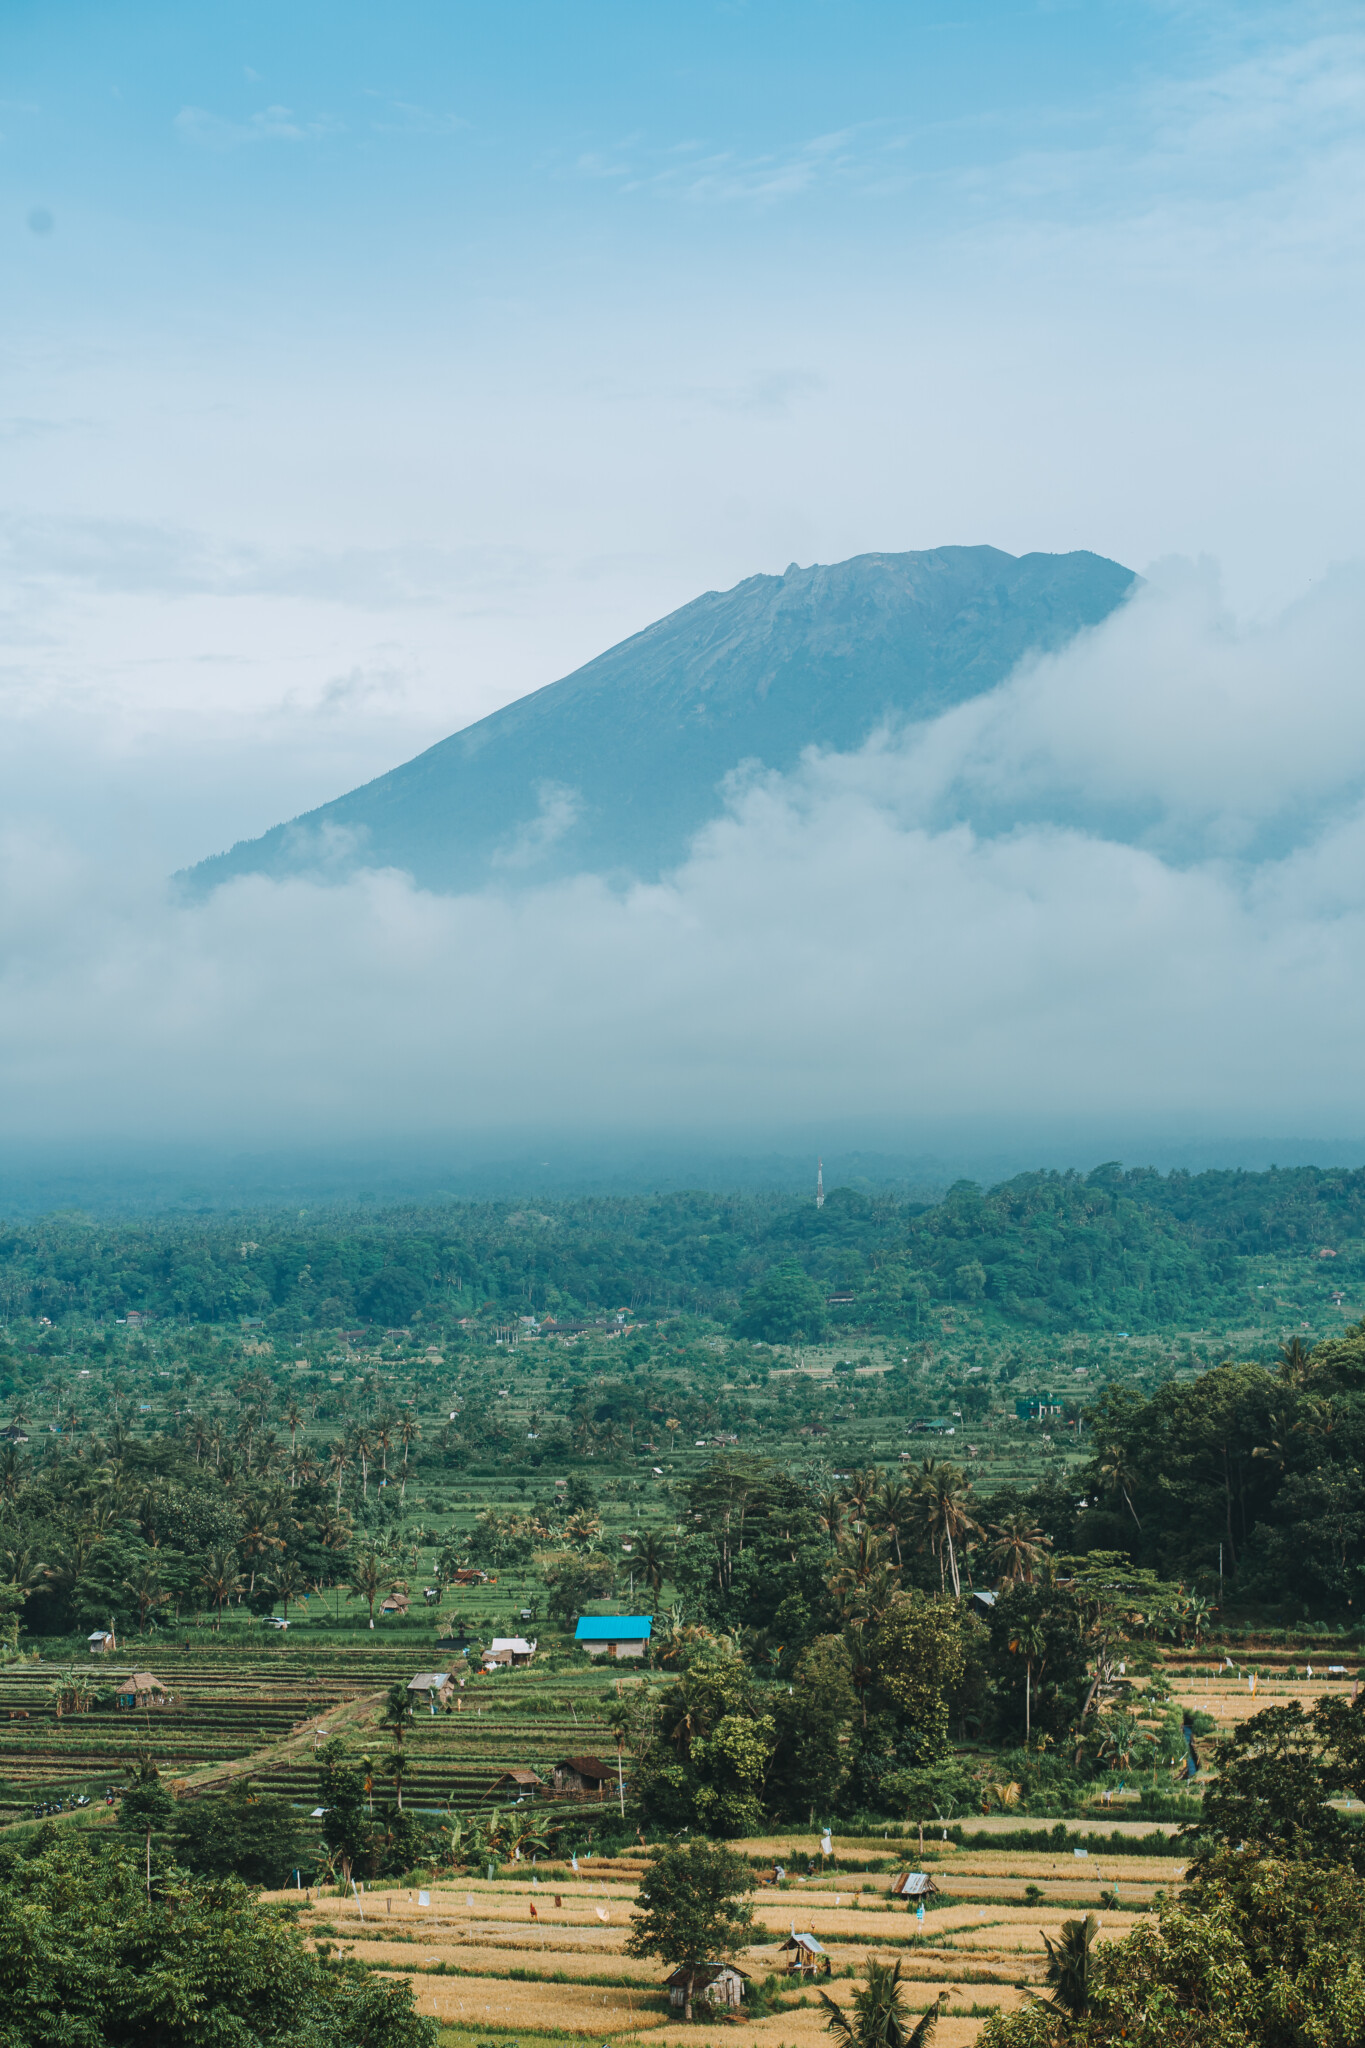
206 130
844 942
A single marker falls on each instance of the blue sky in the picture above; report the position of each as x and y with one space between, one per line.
414 354
362 368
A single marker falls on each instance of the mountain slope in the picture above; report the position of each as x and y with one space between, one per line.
613 768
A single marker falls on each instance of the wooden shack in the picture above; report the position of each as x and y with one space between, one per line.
914 1886
431 1688
592 1776
524 1783
803 1954
397 1603
102 1643
139 1690
715 1983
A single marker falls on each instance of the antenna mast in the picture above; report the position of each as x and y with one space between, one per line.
820 1185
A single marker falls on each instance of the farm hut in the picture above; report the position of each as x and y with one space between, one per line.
614 1635
803 1954
525 1783
914 1886
432 1688
716 1983
585 1774
983 1603
508 1650
101 1641
140 1689
397 1603
468 1575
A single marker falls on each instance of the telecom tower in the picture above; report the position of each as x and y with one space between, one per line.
820 1185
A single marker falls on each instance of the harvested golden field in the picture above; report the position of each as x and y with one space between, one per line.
479 1961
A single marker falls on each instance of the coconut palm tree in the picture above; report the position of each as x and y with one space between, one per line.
362 1447
395 1763
290 1582
408 1435
618 1719
653 1560
948 1513
880 2019
1017 1547
368 1579
1030 1643
1069 1965
1116 1473
221 1580
337 1463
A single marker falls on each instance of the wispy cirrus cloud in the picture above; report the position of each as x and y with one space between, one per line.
206 130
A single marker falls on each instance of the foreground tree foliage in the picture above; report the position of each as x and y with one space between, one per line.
1257 1953
86 1961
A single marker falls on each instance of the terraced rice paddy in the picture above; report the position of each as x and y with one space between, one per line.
478 1960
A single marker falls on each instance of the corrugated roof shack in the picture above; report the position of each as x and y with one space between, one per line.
590 1777
432 1688
716 1983
614 1635
914 1886
804 1954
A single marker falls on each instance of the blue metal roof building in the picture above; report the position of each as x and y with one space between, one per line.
615 1635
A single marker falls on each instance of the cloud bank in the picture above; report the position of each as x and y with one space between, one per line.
1127 885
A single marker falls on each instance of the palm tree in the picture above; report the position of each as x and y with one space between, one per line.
368 1579
383 1443
290 1582
829 1513
618 1720
363 1448
1116 1473
1017 1547
1294 1360
1030 1643
396 1711
338 1462
409 1434
949 1518
1069 1963
148 1594
880 2019
395 1763
293 1416
654 1560
894 1511
220 1579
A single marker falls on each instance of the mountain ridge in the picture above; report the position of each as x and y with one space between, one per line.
615 766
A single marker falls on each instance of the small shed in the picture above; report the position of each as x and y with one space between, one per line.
101 1641
525 1783
804 1954
140 1689
983 1603
397 1603
508 1650
716 1983
592 1775
433 1688
614 1635
914 1885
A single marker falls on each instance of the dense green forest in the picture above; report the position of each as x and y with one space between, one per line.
1113 1250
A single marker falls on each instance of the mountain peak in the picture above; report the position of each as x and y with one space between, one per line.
615 767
